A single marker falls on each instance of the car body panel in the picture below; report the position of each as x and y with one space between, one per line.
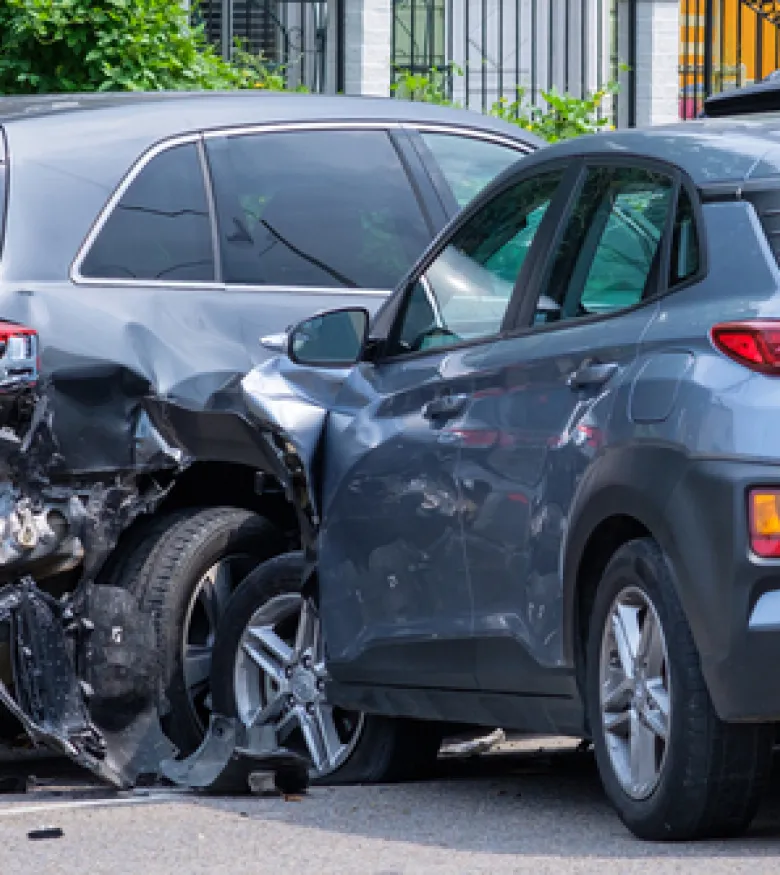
666 444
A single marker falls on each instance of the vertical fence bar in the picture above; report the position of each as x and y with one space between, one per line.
517 49
758 72
500 82
738 11
722 36
566 14
709 43
534 57
483 46
632 53
449 13
466 5
550 43
584 26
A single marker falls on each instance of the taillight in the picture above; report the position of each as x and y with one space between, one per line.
764 513
755 344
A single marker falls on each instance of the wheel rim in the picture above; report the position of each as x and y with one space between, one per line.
280 679
635 693
204 612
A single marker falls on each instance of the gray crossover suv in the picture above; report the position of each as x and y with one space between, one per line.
150 240
543 492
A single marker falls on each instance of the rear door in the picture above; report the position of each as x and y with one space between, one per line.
553 389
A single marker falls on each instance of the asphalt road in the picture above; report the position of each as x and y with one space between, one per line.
521 811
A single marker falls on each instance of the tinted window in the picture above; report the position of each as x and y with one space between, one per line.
161 229
468 164
465 293
685 257
612 243
316 208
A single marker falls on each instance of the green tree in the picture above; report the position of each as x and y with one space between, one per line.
107 45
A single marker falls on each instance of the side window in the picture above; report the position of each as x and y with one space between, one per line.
465 293
611 246
315 208
161 228
685 259
467 163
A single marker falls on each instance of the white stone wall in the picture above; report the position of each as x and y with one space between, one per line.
367 37
657 61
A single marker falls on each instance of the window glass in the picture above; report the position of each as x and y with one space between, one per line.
611 245
316 208
161 228
684 262
468 164
465 293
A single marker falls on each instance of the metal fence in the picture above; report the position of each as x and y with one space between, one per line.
290 35
494 49
725 44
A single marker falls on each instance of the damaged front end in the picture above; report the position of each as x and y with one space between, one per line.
78 670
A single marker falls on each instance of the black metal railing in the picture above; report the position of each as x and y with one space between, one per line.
289 35
725 44
494 49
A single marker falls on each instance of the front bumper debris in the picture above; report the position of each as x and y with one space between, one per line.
231 754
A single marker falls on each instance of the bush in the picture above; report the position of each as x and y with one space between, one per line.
562 118
107 45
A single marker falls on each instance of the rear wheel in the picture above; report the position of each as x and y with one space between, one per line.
269 666
670 766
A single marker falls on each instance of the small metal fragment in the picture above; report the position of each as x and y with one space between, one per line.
45 832
262 784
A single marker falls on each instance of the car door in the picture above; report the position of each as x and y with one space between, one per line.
552 392
396 597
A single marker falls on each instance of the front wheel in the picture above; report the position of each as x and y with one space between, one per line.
669 765
268 666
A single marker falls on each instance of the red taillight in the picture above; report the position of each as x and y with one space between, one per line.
755 344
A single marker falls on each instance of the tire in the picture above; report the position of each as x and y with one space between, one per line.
710 775
165 567
381 749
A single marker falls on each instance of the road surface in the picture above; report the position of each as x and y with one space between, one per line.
521 811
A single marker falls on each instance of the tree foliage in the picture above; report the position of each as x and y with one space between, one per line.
107 45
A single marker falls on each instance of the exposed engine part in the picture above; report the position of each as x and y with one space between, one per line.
31 531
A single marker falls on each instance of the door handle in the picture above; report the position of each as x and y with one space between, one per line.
445 407
591 373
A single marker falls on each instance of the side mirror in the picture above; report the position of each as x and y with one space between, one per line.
329 340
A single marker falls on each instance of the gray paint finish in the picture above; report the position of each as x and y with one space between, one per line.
450 554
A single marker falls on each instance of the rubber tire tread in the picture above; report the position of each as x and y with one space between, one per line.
716 772
389 750
162 569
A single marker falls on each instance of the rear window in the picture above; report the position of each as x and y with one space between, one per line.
161 227
767 205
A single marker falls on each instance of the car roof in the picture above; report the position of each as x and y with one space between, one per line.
163 114
757 97
708 150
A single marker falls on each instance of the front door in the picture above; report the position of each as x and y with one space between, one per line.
396 597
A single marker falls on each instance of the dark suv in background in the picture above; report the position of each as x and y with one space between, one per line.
151 240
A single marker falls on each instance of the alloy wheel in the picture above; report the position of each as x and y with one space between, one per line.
204 612
635 693
280 679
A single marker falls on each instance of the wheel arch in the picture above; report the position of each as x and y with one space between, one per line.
624 496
